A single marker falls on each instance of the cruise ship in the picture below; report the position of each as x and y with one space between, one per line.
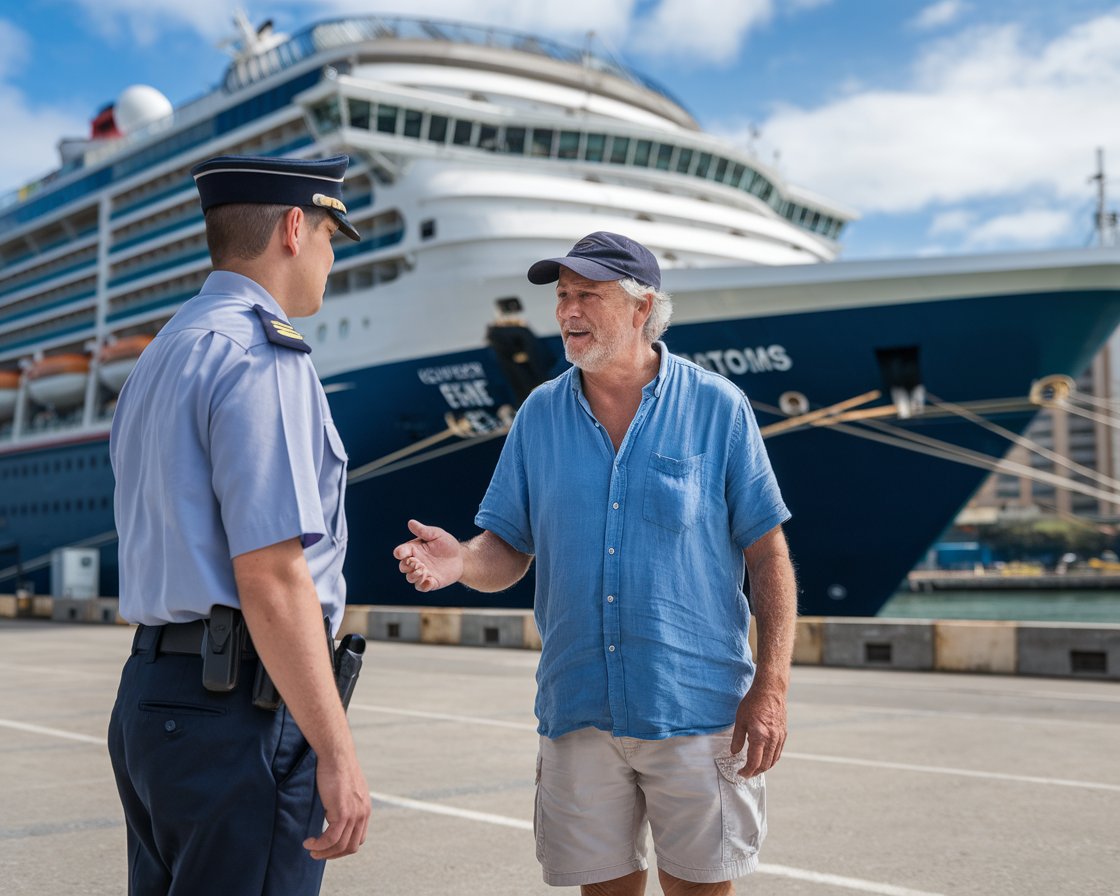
474 152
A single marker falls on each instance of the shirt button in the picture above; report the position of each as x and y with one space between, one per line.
611 648
610 550
615 505
610 598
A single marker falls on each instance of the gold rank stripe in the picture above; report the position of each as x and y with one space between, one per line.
285 329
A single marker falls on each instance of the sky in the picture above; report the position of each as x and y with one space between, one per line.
949 126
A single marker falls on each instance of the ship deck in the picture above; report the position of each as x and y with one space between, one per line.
891 783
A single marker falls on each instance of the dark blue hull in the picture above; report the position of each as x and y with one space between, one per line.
863 513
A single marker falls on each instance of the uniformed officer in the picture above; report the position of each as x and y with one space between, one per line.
229 506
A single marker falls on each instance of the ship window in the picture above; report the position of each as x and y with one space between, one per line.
359 114
736 174
541 146
721 169
427 229
343 328
321 333
703 164
387 119
684 160
463 132
412 122
327 114
488 137
437 128
620 147
596 143
515 140
641 153
569 145
104 503
664 157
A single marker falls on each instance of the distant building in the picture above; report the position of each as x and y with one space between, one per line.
1087 442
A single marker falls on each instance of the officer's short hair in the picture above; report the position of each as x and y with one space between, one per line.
241 231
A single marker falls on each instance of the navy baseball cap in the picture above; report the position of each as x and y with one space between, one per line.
602 256
226 180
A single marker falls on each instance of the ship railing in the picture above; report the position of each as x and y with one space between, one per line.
350 30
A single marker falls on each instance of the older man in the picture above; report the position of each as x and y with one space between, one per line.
640 483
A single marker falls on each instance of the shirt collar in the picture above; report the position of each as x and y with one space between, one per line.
653 387
243 289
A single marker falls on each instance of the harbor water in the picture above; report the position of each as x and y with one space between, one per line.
1027 605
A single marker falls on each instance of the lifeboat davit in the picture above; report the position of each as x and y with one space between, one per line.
117 360
59 381
9 392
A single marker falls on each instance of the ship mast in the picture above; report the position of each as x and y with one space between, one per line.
1104 221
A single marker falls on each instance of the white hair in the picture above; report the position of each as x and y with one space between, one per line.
660 312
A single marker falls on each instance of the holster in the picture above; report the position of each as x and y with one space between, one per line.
221 649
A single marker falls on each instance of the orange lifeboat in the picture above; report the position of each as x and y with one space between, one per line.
118 358
9 392
59 381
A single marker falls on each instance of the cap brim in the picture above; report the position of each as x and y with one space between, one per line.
344 225
548 270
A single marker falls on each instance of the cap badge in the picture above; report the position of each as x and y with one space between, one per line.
329 202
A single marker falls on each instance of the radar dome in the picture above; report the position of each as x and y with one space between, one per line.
139 106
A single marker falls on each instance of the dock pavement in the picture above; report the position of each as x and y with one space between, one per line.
892 782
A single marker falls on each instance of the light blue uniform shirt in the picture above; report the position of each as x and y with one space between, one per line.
223 443
639 555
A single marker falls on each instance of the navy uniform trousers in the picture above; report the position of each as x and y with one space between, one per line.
218 795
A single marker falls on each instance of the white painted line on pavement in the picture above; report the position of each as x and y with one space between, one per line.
444 717
961 772
52 732
953 714
835 880
440 809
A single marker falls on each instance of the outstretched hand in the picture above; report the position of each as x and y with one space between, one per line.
433 559
760 722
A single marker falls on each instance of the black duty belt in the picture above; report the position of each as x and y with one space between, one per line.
186 638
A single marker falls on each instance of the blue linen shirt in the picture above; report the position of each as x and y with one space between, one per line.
639 554
222 443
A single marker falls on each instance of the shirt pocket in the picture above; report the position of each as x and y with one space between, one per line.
334 476
673 489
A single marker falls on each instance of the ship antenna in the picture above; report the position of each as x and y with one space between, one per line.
1105 222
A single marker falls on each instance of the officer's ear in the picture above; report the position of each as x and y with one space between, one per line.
292 226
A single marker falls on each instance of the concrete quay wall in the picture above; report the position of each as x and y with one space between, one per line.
1007 648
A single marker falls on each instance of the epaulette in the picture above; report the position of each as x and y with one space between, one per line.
280 331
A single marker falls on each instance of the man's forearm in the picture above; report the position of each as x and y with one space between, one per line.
774 603
282 610
491 564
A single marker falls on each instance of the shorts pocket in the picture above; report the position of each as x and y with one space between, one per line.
673 488
743 803
538 828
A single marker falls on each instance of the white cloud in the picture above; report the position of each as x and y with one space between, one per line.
988 114
14 48
955 221
937 15
30 133
1026 229
713 28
